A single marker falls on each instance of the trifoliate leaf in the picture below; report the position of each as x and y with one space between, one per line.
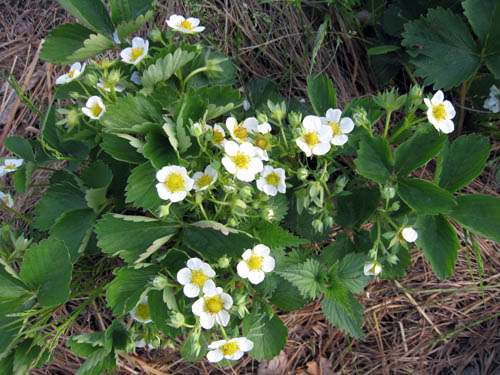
47 270
268 333
462 161
480 214
442 48
307 277
141 187
374 159
438 239
165 67
125 291
120 235
340 317
63 41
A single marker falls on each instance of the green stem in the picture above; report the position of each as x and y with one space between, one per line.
191 75
387 121
15 212
224 332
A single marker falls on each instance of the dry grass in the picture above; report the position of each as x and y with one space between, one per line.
420 325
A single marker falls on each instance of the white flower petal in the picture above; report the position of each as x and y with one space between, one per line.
209 287
191 290
333 115
242 270
340 140
261 250
184 276
229 165
409 234
222 317
216 344
256 277
194 264
227 300
268 264
245 344
303 146
207 321
446 126
346 125
197 307
321 148
215 356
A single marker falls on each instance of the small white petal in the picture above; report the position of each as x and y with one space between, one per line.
256 277
207 321
409 234
191 290
242 270
197 307
227 300
215 356
268 264
261 250
194 264
184 276
346 125
321 148
222 317
340 140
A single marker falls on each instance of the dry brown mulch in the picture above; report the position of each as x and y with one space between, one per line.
420 325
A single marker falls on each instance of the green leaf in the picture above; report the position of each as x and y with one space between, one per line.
141 187
130 236
63 41
91 12
98 363
21 147
193 349
9 328
286 296
57 200
47 269
74 228
86 344
307 277
94 45
273 235
213 244
10 287
354 209
97 176
221 99
441 39
339 316
381 50
462 162
438 240
418 150
483 16
165 67
27 356
321 94
350 272
396 271
124 29
158 150
120 149
125 291
374 159
129 10
337 249
118 336
425 197
268 334
159 312
479 214
22 177
132 114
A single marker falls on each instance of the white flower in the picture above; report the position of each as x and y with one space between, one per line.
218 135
272 180
238 131
10 165
186 26
232 349
74 72
493 102
174 183
142 342
372 269
134 54
203 180
94 108
315 138
197 276
246 105
7 199
141 311
107 87
242 160
340 127
440 112
409 234
135 77
255 264
212 307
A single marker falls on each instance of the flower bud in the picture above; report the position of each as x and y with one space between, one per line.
177 320
302 174
268 214
246 105
262 118
91 79
196 129
388 192
278 111
214 66
317 225
114 77
295 119
103 63
360 117
232 222
160 282
155 35
246 192
73 117
392 259
75 95
416 95
223 262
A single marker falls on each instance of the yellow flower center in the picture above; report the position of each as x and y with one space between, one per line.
273 179
204 180
241 161
142 311
229 348
186 25
213 304
335 127
174 182
373 269
262 142
96 110
218 137
255 262
311 139
136 53
439 112
106 85
240 132
198 278
10 167
71 73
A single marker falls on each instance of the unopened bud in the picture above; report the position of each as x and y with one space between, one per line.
177 320
155 35
114 77
160 282
91 79
223 262
295 119
302 174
